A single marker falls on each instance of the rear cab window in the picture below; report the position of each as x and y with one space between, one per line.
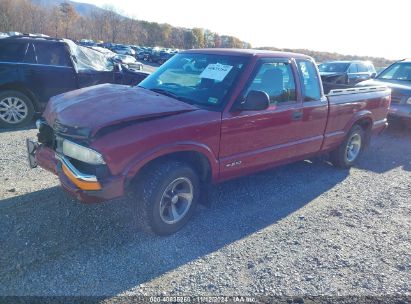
310 81
12 51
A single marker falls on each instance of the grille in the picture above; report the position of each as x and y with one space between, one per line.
46 135
59 128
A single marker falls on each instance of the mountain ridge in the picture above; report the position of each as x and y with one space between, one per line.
83 9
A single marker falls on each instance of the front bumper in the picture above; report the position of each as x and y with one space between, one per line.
84 187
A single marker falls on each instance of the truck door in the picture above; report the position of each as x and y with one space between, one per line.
50 71
253 140
315 107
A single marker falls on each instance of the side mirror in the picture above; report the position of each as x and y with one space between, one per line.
373 75
255 101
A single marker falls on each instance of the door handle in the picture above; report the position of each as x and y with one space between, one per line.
297 115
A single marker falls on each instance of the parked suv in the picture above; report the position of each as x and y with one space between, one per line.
341 74
33 69
123 50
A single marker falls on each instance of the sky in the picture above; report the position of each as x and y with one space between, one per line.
378 28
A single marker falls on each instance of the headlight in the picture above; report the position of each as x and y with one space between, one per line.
408 101
81 153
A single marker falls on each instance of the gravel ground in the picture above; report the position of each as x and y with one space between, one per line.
301 229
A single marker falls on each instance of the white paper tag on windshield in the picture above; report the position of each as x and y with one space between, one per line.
216 71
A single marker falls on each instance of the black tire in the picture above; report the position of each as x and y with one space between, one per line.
149 190
340 157
28 105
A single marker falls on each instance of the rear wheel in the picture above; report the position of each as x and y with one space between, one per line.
348 152
16 109
167 195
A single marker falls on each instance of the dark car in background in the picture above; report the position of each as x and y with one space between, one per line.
128 62
398 78
123 50
34 69
160 56
342 74
143 54
87 42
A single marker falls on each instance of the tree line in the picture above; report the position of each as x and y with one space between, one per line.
330 56
105 25
109 26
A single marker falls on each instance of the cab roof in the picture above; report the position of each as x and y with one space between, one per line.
247 52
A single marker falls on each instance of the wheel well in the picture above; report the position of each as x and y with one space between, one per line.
20 88
195 160
366 125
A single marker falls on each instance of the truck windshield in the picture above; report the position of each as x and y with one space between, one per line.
398 71
333 67
200 79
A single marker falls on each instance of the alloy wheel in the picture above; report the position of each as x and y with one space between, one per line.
13 110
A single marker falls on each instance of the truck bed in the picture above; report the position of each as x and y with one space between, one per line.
347 105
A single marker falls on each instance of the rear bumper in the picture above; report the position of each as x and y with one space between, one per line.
85 188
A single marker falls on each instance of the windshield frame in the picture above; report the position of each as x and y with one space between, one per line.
224 100
389 68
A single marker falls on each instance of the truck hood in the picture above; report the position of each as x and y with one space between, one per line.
86 111
397 86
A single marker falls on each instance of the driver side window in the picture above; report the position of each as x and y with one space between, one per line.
277 80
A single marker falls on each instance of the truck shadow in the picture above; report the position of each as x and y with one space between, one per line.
30 126
387 151
97 249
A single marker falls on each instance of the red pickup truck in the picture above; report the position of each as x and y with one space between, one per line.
203 117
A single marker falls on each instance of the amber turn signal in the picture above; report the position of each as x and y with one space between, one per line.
83 185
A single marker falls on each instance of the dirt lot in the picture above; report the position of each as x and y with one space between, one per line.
301 229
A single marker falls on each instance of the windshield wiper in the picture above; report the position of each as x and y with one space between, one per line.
172 95
165 92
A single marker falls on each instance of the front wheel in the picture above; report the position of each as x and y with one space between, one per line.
167 195
350 149
16 109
